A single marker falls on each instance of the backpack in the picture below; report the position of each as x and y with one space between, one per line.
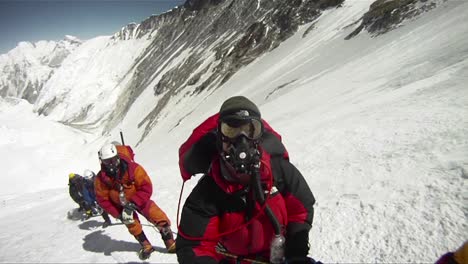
126 151
197 152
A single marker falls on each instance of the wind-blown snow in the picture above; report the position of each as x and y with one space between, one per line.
91 76
378 126
37 150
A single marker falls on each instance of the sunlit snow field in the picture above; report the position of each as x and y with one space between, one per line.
378 127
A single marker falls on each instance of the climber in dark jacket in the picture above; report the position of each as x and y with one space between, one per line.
81 189
76 184
252 205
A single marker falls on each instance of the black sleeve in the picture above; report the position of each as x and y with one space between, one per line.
90 186
75 194
199 219
299 202
198 158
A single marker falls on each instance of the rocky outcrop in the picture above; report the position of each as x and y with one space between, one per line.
196 5
385 15
190 50
147 28
229 33
26 68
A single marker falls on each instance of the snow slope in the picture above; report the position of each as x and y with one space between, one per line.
378 127
90 76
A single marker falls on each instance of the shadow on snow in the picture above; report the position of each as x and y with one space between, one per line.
101 243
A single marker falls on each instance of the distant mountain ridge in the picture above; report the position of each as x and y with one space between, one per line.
26 68
192 49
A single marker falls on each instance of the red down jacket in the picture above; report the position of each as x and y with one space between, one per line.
217 211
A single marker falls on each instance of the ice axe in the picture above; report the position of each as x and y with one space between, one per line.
121 137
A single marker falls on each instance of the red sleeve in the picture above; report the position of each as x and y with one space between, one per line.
198 230
199 251
199 132
299 202
143 185
102 197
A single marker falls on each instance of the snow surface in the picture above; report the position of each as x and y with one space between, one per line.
88 80
31 64
378 127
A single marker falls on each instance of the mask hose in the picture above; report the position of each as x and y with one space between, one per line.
277 244
260 197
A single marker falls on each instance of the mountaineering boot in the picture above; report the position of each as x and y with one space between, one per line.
87 215
168 238
146 247
145 252
97 209
170 245
106 224
107 221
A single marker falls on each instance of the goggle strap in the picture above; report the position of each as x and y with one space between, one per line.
254 132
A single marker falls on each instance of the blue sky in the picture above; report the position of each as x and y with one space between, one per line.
34 20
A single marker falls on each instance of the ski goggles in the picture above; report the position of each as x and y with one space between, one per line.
112 162
251 128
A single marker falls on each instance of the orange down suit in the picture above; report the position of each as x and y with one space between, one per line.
138 189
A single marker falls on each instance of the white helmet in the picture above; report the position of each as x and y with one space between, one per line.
116 143
107 151
88 174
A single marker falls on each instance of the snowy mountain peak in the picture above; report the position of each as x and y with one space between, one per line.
72 39
24 45
62 49
148 26
130 31
375 123
29 65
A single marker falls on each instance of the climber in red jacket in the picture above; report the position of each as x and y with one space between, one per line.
252 205
123 189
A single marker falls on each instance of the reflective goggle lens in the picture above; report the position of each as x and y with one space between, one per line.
111 162
253 129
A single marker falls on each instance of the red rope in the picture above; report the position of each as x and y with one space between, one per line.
236 257
229 231
178 205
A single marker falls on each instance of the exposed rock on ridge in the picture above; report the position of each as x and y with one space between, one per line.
228 33
26 68
385 15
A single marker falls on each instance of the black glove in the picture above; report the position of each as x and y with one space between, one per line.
131 206
297 244
304 260
127 213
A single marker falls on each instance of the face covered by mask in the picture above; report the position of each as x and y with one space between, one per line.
111 166
240 153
